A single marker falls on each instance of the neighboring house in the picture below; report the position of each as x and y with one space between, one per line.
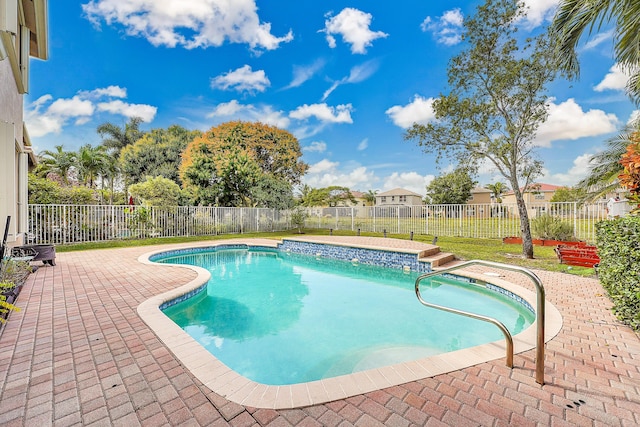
398 197
536 196
23 34
480 196
535 193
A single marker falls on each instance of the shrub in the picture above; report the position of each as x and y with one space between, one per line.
298 217
6 288
619 270
552 228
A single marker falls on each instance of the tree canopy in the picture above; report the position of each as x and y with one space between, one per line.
451 188
157 191
497 100
157 153
223 166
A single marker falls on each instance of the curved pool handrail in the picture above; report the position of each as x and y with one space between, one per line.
540 309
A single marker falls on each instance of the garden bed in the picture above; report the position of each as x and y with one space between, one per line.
512 240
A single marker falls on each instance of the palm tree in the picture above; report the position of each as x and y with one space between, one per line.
370 197
573 17
115 138
92 162
497 190
605 166
59 162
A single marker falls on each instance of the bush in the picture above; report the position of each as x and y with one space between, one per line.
552 228
298 217
619 270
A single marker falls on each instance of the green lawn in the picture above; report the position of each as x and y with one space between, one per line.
463 248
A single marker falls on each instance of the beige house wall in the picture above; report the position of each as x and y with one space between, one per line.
23 33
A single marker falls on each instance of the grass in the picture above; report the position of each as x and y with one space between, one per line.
463 248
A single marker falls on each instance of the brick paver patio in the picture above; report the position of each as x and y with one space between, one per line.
79 354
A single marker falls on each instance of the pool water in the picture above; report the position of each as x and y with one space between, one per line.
279 318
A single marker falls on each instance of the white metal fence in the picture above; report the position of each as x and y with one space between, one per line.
60 224
474 220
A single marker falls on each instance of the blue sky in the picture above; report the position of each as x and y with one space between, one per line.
346 78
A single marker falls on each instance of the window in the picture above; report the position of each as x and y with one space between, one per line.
393 198
539 196
402 198
383 199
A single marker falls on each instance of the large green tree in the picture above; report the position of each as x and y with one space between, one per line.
451 188
497 101
157 153
230 163
574 17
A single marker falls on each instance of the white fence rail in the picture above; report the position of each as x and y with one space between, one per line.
474 221
61 224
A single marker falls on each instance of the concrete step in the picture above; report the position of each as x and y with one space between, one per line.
438 259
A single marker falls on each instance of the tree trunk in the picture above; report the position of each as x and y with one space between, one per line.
525 228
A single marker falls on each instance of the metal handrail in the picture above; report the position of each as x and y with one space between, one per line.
540 310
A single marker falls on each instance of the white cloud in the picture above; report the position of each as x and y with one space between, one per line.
144 111
326 173
447 29
567 120
46 115
242 79
236 111
539 11
420 110
578 171
616 79
412 181
363 144
316 146
634 118
353 26
324 113
192 23
303 73
598 40
357 74
110 91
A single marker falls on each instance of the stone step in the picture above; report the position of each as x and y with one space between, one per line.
438 259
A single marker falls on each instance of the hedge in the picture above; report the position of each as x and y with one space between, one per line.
618 244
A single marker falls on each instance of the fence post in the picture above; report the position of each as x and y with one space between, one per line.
398 219
352 219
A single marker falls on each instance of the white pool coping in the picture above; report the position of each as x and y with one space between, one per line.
227 383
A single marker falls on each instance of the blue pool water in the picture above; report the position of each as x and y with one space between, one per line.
280 318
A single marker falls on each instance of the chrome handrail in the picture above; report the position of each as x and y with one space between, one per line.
540 309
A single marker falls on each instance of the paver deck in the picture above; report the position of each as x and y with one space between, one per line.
79 354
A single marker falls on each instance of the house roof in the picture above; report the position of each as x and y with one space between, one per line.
398 192
357 194
480 190
539 187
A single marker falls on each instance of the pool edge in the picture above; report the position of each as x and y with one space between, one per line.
236 388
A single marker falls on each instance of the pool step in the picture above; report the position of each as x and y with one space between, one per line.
438 259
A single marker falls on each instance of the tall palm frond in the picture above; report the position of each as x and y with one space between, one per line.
605 166
59 162
574 17
115 138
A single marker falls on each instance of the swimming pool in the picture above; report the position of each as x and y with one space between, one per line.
282 318
218 377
